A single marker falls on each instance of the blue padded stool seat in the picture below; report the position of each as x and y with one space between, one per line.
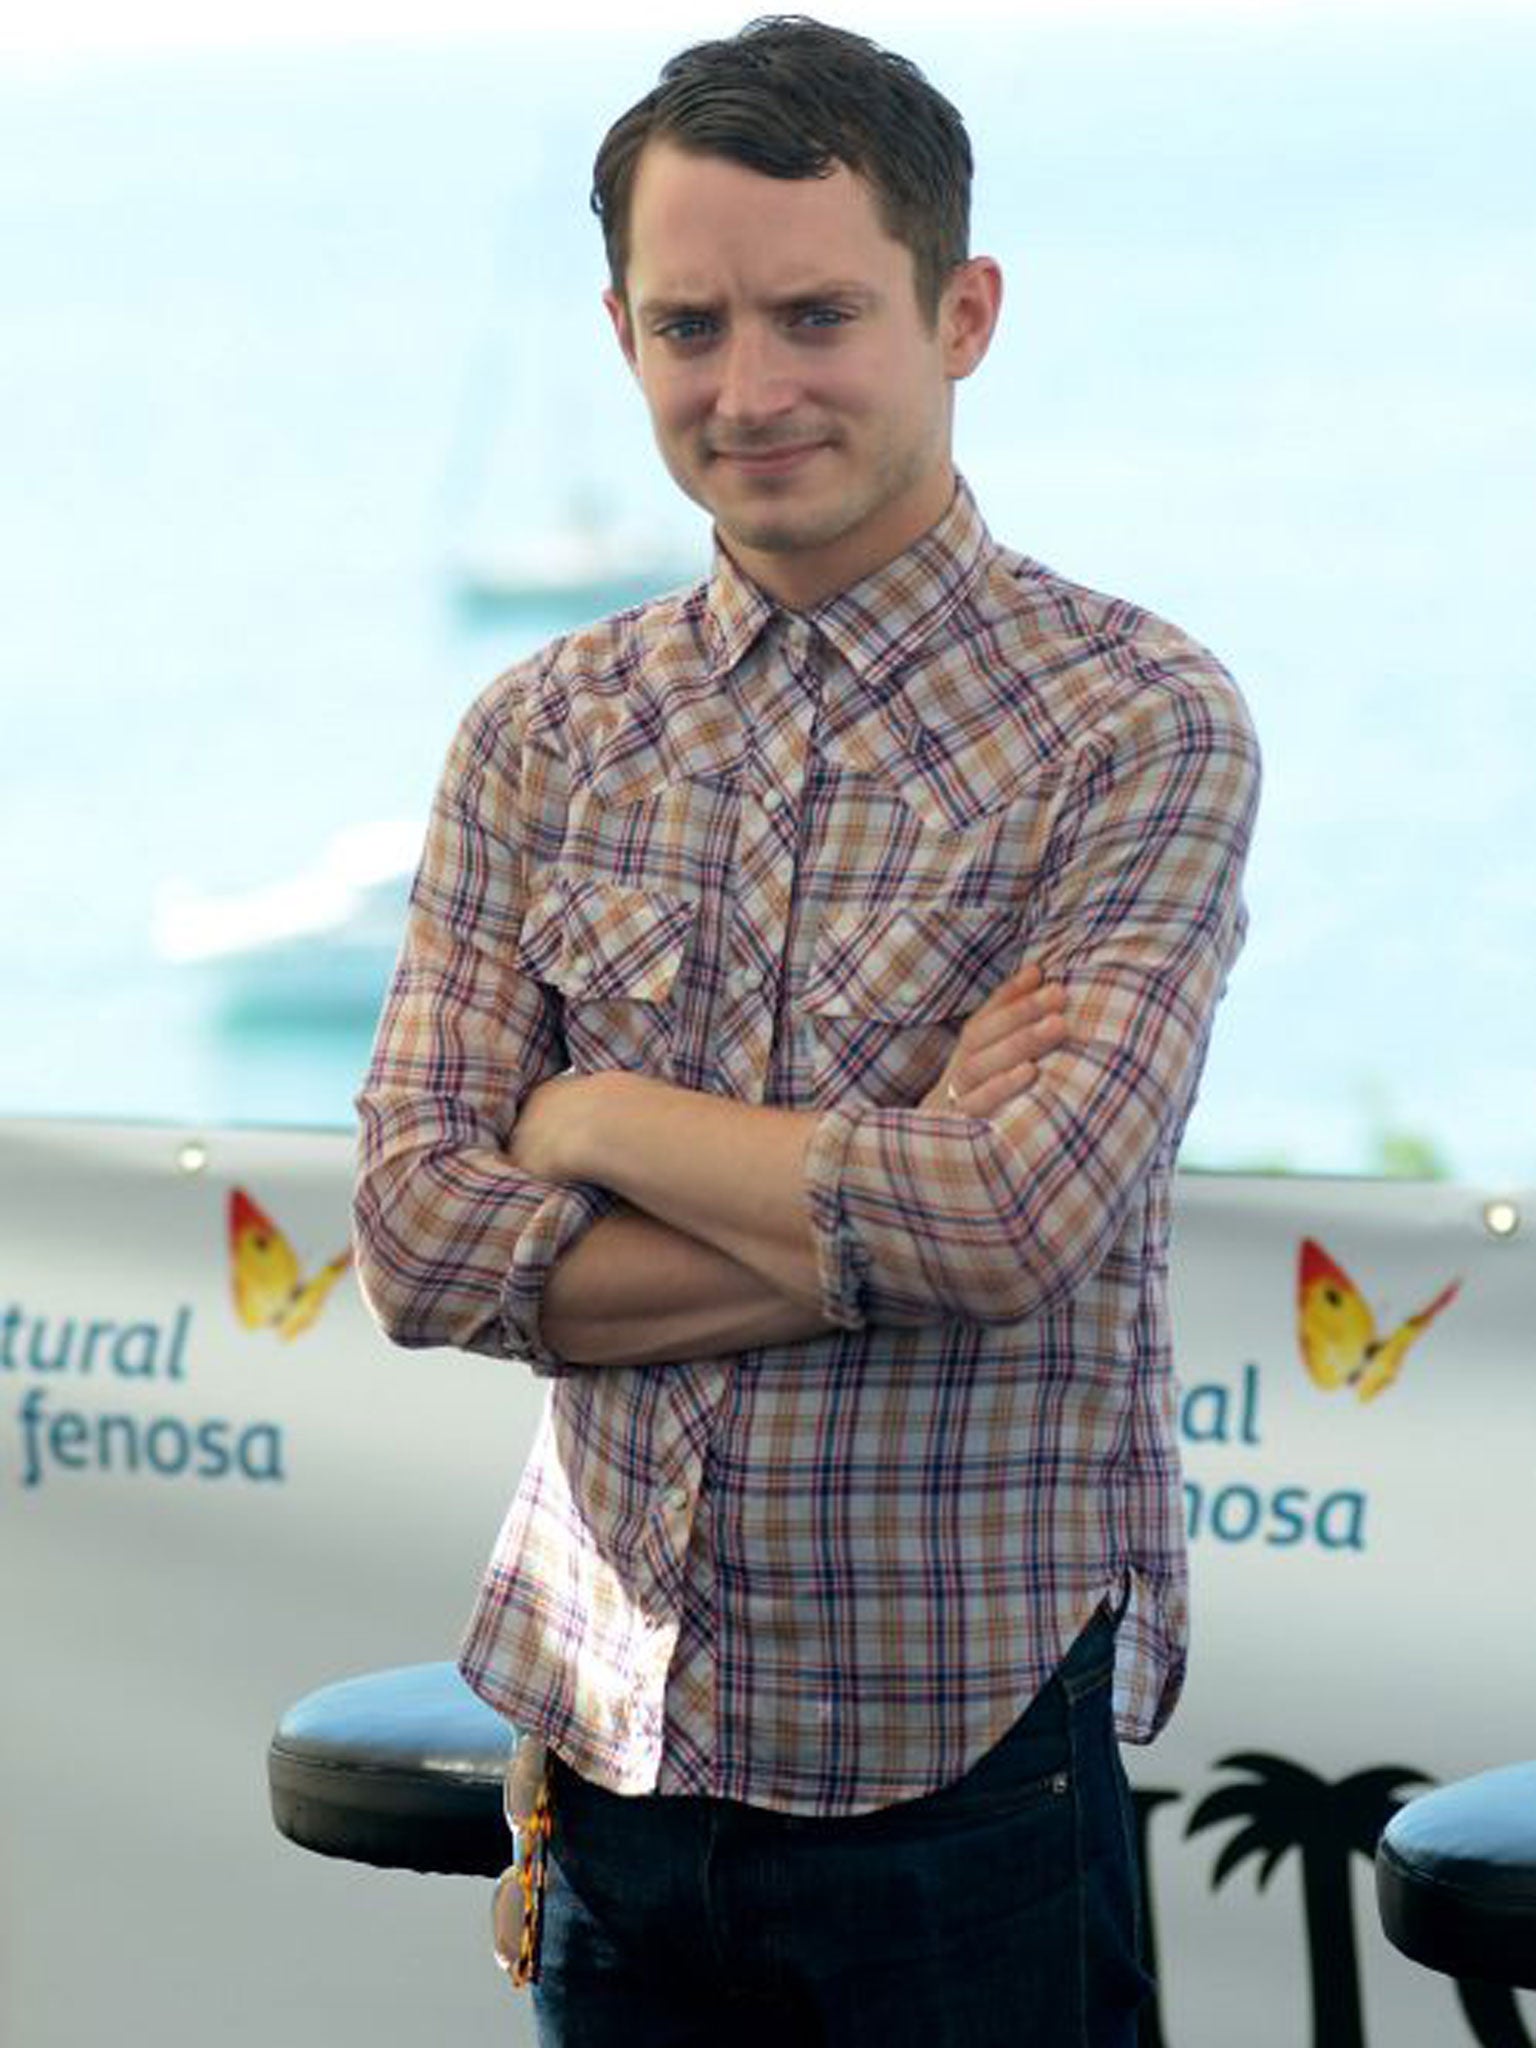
400 1768
1456 1877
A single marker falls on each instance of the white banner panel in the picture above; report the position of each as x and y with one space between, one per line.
1360 1603
210 1505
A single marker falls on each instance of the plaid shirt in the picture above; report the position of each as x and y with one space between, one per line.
781 857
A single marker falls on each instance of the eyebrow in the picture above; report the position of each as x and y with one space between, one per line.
831 291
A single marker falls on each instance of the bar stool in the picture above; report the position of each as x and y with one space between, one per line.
401 1769
1456 1878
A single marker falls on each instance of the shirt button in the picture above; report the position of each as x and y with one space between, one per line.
770 801
679 1500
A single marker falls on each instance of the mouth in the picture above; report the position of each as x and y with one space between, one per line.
771 461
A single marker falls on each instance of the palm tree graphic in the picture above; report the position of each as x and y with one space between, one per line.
1284 1807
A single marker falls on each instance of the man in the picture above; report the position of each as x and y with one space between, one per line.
805 989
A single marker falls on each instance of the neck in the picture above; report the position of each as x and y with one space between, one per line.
802 578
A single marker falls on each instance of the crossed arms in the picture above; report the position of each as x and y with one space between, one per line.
715 1251
504 1206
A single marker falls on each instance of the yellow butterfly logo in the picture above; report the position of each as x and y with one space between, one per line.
1339 1342
270 1288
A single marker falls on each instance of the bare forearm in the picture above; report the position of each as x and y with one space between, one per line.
633 1291
730 1176
726 1173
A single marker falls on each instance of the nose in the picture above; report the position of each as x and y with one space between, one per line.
756 383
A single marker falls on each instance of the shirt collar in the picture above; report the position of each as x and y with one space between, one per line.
893 615
880 622
883 709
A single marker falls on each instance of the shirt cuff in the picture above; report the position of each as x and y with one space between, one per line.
564 1215
842 1265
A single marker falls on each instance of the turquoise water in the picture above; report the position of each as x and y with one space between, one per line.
284 337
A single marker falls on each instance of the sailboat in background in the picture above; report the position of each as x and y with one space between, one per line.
521 545
315 948
582 565
529 525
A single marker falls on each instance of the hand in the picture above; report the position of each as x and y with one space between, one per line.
545 1140
998 1051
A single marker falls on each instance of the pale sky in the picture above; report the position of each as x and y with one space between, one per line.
82 27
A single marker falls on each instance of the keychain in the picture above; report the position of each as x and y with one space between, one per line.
517 1909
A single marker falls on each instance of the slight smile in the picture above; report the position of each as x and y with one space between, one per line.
767 461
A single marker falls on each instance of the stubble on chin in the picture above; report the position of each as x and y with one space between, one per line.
779 535
787 527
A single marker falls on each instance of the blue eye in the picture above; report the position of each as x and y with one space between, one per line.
686 327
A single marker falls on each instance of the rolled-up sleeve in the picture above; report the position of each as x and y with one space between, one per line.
453 1245
1137 910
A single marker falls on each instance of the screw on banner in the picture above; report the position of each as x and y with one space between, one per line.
1501 1218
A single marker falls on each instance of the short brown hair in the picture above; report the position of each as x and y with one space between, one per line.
791 97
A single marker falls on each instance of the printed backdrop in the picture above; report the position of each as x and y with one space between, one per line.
219 1488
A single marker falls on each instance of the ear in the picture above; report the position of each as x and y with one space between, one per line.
968 311
618 313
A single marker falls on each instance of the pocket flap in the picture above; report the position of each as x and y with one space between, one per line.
593 939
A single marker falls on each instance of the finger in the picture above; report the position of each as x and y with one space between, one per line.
995 1093
1023 983
1011 1003
978 1057
973 1080
984 1033
974 1066
1019 985
982 1084
1043 1033
1050 996
1030 982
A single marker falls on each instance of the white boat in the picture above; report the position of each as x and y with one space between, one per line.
316 947
584 566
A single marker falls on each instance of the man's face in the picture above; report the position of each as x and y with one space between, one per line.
796 389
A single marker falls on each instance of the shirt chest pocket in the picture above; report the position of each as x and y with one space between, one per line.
613 955
888 989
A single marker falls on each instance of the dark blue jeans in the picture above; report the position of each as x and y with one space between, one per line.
999 1912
